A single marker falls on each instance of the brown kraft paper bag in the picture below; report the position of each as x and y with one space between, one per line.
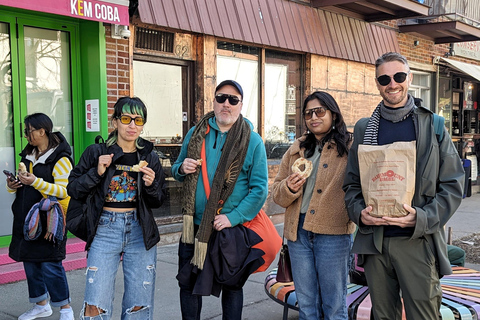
387 175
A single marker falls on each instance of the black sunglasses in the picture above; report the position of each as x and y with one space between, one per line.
319 112
222 97
399 77
139 121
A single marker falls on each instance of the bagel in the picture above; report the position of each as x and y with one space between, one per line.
141 164
308 167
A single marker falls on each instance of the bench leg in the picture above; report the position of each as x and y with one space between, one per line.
285 312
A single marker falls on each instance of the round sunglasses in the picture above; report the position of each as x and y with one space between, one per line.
139 121
319 112
222 97
399 77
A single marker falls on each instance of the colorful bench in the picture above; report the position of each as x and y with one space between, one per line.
461 296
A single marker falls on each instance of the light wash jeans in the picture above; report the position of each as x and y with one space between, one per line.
117 234
320 264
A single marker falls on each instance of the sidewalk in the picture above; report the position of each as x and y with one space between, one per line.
14 296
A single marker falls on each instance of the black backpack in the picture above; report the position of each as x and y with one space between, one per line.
77 222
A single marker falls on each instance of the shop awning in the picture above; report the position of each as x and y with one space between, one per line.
277 23
374 10
442 31
467 68
110 11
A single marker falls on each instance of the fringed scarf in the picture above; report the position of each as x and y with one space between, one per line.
55 220
395 115
229 167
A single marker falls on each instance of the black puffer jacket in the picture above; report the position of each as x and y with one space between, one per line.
85 186
39 250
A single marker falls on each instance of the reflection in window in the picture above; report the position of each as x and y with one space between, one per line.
7 153
5 88
282 96
245 72
48 79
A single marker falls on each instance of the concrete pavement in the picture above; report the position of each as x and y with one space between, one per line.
14 296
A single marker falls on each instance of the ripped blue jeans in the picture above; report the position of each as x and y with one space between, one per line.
119 234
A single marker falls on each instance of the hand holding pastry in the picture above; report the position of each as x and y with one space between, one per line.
148 175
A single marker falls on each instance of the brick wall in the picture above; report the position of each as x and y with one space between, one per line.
118 69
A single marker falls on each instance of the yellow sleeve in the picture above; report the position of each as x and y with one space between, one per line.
60 173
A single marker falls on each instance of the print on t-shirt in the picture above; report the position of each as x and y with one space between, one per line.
123 187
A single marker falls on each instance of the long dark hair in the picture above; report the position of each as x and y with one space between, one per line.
127 105
39 121
338 133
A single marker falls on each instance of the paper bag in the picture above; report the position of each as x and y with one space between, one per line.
387 175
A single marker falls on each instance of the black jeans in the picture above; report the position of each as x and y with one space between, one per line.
191 304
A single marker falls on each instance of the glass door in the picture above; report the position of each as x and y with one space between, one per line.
35 76
46 75
7 151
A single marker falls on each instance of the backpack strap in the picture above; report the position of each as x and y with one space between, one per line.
439 126
99 140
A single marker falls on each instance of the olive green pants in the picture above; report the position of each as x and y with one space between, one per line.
405 270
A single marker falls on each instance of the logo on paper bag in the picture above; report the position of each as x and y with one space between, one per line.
389 175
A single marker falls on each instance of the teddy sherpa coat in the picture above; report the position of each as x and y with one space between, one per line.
326 212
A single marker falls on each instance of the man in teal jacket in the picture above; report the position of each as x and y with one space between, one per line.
223 166
405 257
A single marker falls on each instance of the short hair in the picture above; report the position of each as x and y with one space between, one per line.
389 57
132 105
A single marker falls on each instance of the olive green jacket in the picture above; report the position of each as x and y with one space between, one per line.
439 184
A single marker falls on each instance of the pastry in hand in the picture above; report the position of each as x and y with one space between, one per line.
141 164
22 168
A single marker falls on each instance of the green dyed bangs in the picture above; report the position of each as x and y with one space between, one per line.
134 109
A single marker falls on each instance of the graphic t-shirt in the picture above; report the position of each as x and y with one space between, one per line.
122 192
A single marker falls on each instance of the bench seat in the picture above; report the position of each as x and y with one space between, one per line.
461 296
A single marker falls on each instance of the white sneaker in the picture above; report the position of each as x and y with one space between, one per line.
37 311
66 314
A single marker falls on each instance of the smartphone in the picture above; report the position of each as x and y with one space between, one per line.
10 176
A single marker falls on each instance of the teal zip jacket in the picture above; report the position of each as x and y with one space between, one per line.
251 188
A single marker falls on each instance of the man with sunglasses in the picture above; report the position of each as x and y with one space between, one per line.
223 167
405 257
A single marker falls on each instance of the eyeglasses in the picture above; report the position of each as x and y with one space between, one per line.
399 77
319 112
222 97
139 121
27 131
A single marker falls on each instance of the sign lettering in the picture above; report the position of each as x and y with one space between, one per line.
114 11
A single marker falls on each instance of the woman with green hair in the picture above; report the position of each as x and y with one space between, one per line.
120 181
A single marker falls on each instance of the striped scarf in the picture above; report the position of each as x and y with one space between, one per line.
55 220
396 115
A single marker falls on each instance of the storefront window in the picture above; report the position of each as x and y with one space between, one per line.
282 101
244 70
48 79
167 98
420 88
163 97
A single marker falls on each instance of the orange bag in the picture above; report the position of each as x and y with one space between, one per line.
272 242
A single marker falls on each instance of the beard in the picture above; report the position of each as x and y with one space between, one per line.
394 101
